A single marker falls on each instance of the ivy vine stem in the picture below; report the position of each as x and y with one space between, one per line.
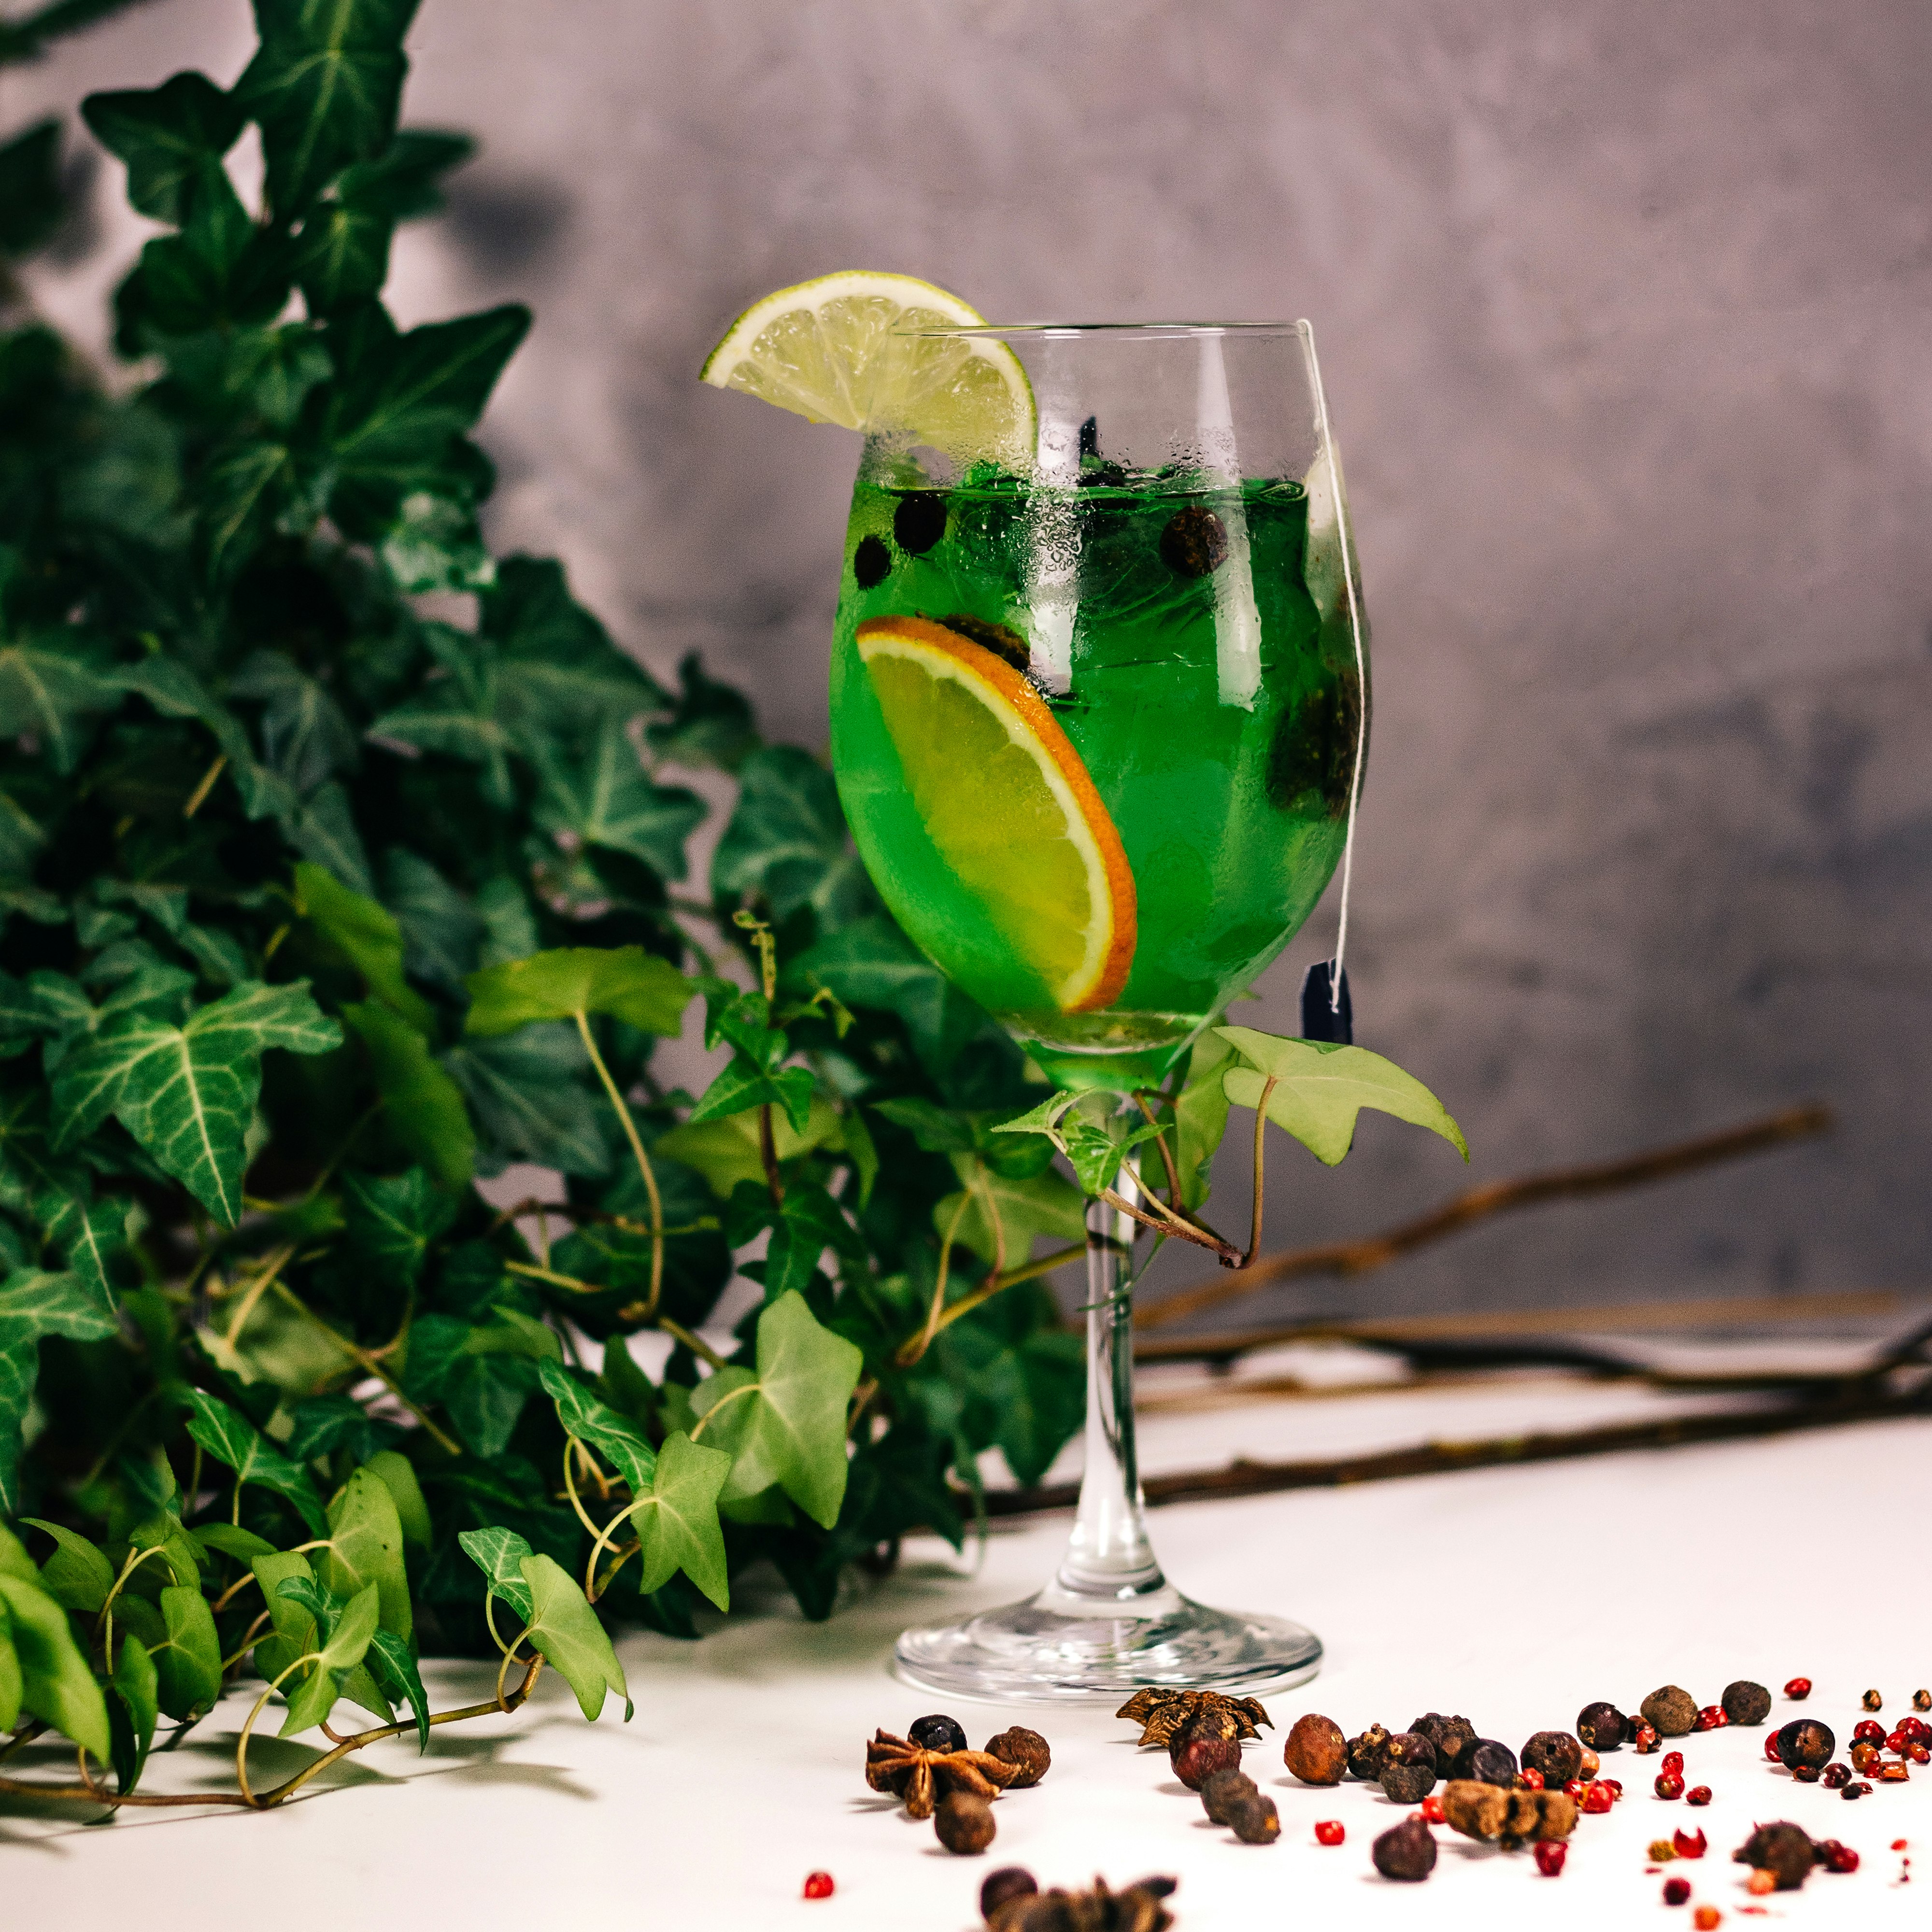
643 1160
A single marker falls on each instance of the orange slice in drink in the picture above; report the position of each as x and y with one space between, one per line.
1008 804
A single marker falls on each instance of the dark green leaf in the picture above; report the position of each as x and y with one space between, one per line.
76 1576
566 677
188 1664
590 1421
56 1685
392 1220
499 1554
742 1084
367 934
132 1711
711 725
526 1094
230 1438
1027 1376
434 544
165 134
31 202
999 1218
33 1306
442 931
391 1661
786 842
598 794
725 1151
48 686
88 1237
625 982
304 736
871 964
423 1106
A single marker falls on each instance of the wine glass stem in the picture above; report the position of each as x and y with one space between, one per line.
1109 1558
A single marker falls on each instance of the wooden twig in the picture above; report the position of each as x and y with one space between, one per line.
1242 1478
1353 1257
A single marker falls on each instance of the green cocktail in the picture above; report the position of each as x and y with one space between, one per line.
1176 634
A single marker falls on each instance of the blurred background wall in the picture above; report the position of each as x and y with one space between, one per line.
1624 308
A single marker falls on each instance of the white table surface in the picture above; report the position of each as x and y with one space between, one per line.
1515 1595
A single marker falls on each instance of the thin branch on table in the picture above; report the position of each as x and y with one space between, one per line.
1348 1258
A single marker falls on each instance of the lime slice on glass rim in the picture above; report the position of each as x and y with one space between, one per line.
836 350
1008 804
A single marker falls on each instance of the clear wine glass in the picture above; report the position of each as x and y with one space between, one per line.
1100 696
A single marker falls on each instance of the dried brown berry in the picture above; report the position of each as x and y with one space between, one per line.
1316 1751
1488 1762
1745 1702
1197 1759
1451 1736
937 1733
1783 1849
1138 1909
1225 1792
1511 1817
1806 1741
1592 1765
1641 1737
1408 1852
1194 543
1009 1882
1556 1754
1408 1767
1365 1753
1600 1726
1921 1700
1672 1710
1872 1701
1027 1751
964 1823
1255 1820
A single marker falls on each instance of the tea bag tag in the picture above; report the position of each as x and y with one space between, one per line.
1322 1017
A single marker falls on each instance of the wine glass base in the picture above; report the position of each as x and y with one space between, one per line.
1048 1651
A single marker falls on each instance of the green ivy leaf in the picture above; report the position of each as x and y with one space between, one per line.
32 1305
391 1664
676 1523
422 1104
56 1685
499 1553
164 134
365 1547
563 1626
1201 1117
1037 1205
725 1151
625 982
230 1438
304 736
527 1097
187 1093
188 1664
599 795
786 841
1321 1087
871 964
324 87
132 1711
786 1422
89 1235
398 1476
710 726
592 1422
76 1576
566 676
1025 1374
367 934
393 1220
442 931
741 1083
48 685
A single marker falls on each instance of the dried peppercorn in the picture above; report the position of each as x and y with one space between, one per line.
1671 1711
1676 1891
1857 1788
1408 1767
1315 1750
1597 1800
1451 1736
919 521
1669 1785
1745 1702
1783 1849
1642 1737
1835 1856
872 563
1689 1844
1365 1753
1556 1754
1707 1918
1491 1814
1712 1717
1863 1755
1550 1854
1009 1882
1197 1759
1488 1762
1590 1765
964 1823
1921 1700
1226 1790
1805 1741
1872 1701
1138 1909
1798 1689
937 1733
1027 1751
1868 1731
1195 542
1330 1831
1255 1821
1407 1853
818 1884
1806 1773
1601 1726
1835 1776
1698 1794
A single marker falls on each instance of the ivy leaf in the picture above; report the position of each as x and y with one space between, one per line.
1321 1087
367 934
398 1475
32 1305
743 1019
566 676
423 1106
1201 1117
187 1093
499 1553
32 204
1037 1205
710 725
89 1235
165 134
786 841
526 1096
600 795
293 1631
484 1376
391 1663
187 1665
807 1222
743 1083
871 963
304 736
725 1151
563 1626
442 931
132 1711
230 1438
48 684
676 1523
460 713
392 1220
76 1576
590 1421
786 1423
324 87
342 1651
56 1685
571 982
937 1129
1027 1376
365 1548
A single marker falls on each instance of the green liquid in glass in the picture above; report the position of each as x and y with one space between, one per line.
1232 813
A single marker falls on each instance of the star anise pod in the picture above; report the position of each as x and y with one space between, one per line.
919 1777
1162 1713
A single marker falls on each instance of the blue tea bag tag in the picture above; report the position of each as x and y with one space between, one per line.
1320 1018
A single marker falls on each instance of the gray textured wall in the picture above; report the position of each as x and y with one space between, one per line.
1624 308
